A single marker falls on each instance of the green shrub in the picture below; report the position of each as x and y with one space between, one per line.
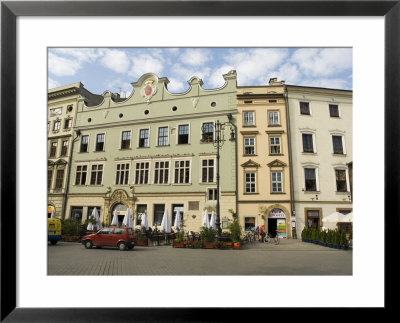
208 234
179 236
343 240
70 227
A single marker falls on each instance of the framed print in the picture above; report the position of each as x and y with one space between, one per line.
192 24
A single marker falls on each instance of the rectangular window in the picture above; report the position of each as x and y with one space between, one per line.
97 175
273 118
250 182
64 148
248 118
158 213
143 138
249 223
100 142
182 172
313 219
274 145
67 123
249 146
49 179
161 172
81 172
76 213
307 143
207 133
84 144
341 185
122 174
305 108
56 125
334 110
126 140
276 180
212 194
53 149
183 134
337 145
207 171
163 136
59 178
142 173
311 181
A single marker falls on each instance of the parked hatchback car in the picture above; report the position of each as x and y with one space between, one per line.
122 238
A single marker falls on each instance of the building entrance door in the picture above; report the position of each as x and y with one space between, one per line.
121 210
277 223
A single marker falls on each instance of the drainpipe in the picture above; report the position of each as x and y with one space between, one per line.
292 205
78 134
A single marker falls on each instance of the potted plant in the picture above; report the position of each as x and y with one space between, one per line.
141 238
207 237
343 241
178 242
303 234
236 231
336 239
71 230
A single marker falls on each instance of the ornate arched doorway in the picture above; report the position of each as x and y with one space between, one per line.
120 201
276 219
120 209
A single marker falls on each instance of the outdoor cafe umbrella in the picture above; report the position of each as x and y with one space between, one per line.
115 218
212 221
127 219
205 223
348 217
331 220
52 214
145 222
165 223
96 217
178 221
90 225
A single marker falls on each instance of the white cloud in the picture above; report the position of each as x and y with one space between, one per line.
255 64
176 85
61 66
81 54
323 61
288 73
51 84
331 83
186 73
146 64
116 60
216 78
195 56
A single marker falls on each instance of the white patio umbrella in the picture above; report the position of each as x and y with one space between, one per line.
90 225
178 221
145 222
165 223
96 216
331 220
115 218
52 214
347 218
205 222
127 219
212 221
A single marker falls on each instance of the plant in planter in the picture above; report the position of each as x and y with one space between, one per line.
324 238
141 238
336 241
235 230
343 241
178 241
303 234
208 236
218 244
71 230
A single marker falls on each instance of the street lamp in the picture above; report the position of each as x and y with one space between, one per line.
218 141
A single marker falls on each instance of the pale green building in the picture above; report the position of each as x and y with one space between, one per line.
154 151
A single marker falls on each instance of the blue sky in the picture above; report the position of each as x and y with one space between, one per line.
113 69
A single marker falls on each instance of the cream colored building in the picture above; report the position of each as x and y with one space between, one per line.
321 123
62 107
263 159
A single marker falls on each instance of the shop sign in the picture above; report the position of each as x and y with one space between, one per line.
276 214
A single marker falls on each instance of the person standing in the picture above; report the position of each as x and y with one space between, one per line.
258 232
261 231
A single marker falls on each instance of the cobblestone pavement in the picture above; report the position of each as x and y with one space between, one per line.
290 257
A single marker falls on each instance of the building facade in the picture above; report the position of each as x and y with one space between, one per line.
62 107
321 150
264 193
154 151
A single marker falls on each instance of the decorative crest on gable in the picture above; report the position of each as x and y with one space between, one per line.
277 163
149 88
250 163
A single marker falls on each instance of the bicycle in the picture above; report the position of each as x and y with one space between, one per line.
267 238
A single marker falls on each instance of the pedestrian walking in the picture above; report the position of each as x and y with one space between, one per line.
258 232
261 231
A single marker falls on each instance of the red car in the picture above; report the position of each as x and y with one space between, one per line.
122 238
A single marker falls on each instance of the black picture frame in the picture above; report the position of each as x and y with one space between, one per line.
10 10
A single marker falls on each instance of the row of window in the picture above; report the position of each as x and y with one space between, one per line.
54 146
311 182
183 137
249 118
308 143
332 108
164 172
57 125
59 179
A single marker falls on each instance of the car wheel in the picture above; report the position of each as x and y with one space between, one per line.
53 242
88 244
122 246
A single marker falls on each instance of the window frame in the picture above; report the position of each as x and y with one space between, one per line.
342 142
164 169
126 178
338 110
148 138
56 122
177 133
316 172
64 147
202 134
174 171
136 179
314 147
309 108
81 172
57 179
97 142
69 120
255 182
97 174
122 139
270 145
246 146
276 181
214 159
278 118
244 118
87 144
214 194
158 136
346 173
53 144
